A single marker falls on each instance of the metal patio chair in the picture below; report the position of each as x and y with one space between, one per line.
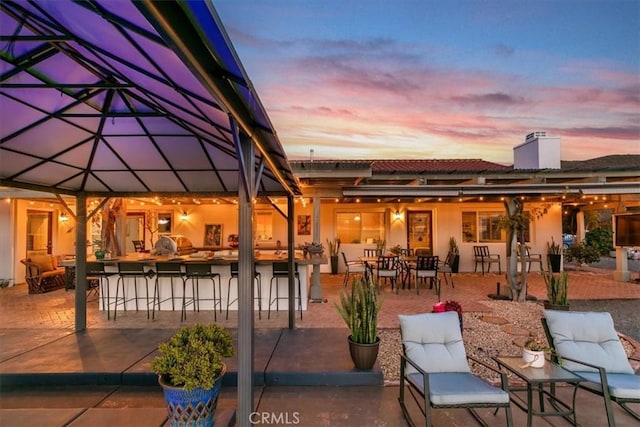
434 367
588 345
482 256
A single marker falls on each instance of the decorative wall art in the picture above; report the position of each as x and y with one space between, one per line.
213 235
304 225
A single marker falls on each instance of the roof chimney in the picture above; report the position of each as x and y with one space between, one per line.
538 151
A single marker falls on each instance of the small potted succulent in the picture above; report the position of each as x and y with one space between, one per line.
190 368
98 251
533 353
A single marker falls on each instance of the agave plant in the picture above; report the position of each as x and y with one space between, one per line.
359 309
557 287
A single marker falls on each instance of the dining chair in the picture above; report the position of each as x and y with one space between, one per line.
529 258
426 267
388 269
446 268
434 368
482 256
352 267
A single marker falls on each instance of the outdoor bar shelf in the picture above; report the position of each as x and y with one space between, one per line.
220 263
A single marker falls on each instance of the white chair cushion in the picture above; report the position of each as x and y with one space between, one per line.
459 388
434 342
587 336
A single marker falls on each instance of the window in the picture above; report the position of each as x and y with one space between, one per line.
360 227
469 227
482 227
264 226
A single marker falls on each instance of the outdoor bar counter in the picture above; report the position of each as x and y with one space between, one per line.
220 263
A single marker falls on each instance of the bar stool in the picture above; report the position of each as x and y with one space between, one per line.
169 270
257 277
132 270
96 272
202 270
281 270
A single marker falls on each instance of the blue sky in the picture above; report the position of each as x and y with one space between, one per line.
442 79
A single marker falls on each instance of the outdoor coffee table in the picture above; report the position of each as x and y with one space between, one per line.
535 379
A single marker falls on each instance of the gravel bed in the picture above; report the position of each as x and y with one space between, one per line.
482 340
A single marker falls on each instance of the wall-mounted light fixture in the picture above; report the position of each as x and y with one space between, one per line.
397 215
63 217
184 216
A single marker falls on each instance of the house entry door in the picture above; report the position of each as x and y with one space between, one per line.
38 233
419 230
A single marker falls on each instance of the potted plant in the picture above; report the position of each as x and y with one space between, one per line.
313 248
455 259
334 251
557 290
359 309
98 251
533 353
554 255
190 368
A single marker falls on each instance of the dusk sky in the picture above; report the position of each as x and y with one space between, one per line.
442 79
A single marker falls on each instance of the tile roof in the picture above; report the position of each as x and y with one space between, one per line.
436 165
615 161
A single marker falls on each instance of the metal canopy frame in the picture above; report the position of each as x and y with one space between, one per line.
114 98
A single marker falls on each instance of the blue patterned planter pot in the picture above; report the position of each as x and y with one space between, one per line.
193 408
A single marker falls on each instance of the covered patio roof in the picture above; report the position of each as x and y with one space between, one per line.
120 98
108 97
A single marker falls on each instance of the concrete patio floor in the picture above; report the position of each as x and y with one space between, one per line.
41 359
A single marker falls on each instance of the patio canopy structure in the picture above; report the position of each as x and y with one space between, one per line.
117 98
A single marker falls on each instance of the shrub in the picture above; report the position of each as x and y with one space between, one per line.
582 253
192 358
601 239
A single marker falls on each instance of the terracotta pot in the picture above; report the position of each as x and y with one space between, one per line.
364 355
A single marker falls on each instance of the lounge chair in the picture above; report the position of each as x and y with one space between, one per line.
587 344
434 367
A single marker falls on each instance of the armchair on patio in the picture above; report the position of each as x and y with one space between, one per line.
588 345
482 256
434 367
42 274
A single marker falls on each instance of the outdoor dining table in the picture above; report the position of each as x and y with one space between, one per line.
370 263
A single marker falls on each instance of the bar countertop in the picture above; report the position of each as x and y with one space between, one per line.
266 258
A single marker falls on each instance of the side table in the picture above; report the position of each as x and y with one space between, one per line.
535 379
